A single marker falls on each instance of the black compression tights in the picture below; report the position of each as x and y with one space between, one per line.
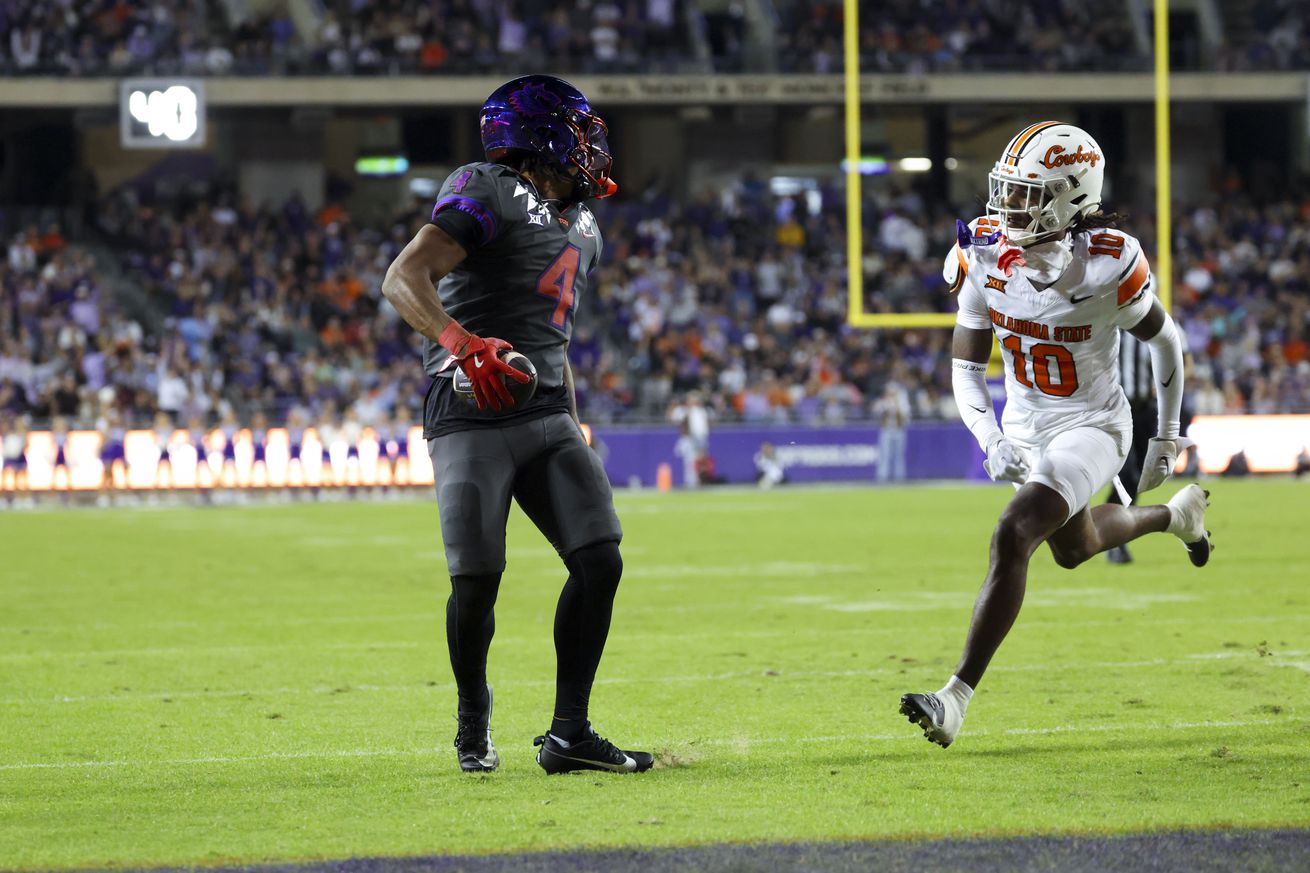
470 624
582 622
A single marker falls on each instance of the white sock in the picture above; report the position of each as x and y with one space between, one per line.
958 691
1176 523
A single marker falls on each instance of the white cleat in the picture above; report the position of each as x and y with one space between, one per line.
1187 522
938 714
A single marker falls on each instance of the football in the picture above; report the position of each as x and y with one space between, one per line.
521 391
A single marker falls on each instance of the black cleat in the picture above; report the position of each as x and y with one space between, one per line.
473 741
1119 555
591 752
1199 552
930 712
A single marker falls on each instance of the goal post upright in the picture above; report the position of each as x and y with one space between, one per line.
1163 170
855 315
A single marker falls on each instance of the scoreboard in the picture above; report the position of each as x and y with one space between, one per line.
162 113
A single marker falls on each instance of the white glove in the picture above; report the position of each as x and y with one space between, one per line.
1005 463
1161 457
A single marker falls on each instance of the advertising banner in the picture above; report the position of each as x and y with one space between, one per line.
807 454
633 457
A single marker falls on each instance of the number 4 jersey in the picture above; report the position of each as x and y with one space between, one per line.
1061 344
527 265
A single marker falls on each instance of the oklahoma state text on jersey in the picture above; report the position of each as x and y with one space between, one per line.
1060 344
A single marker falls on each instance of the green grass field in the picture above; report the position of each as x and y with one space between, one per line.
201 686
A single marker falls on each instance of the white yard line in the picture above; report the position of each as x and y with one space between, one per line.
230 650
737 743
760 674
439 619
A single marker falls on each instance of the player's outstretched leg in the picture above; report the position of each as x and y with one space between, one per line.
1107 527
470 624
582 622
1031 517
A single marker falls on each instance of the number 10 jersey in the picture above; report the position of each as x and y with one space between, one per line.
1060 344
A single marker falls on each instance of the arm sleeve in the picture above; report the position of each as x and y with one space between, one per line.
471 191
1167 371
973 308
969 384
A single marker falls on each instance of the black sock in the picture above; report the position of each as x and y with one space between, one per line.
582 622
470 624
568 730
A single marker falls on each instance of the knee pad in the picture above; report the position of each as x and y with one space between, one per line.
599 566
475 595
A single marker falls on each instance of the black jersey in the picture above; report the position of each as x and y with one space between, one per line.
526 268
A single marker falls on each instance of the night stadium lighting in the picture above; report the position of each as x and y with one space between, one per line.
382 165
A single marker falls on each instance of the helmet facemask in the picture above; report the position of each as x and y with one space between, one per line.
591 153
1034 211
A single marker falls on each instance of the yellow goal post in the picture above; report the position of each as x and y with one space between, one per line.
856 314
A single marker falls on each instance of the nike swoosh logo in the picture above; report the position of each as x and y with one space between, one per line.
1081 299
977 408
477 364
627 766
1165 383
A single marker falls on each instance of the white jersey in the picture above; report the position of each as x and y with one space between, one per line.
1060 345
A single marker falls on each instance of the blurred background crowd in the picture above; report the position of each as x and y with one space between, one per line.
736 299
187 301
366 37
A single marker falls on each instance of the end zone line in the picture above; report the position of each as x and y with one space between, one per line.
909 734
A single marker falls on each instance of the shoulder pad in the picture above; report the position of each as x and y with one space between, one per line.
954 269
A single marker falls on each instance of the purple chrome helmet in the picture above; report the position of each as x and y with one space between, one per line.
548 117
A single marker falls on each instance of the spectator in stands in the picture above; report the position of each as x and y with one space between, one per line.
263 308
892 412
768 469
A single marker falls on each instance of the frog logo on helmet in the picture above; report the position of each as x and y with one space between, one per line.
534 99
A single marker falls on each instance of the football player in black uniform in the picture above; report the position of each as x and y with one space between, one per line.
501 265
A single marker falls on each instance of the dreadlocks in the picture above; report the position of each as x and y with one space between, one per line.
1097 220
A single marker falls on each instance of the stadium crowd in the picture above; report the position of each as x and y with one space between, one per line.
737 297
960 35
380 37
1278 38
356 37
390 37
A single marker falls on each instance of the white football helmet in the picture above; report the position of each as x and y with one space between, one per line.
1049 176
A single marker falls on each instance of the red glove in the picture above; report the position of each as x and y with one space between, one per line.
480 360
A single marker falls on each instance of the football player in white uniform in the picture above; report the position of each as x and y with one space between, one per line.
1047 272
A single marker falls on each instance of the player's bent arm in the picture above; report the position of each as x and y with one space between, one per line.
1158 331
410 283
970 349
